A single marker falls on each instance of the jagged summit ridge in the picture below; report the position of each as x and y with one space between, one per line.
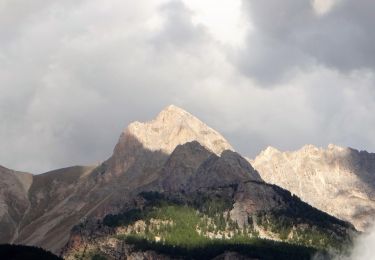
308 150
338 180
172 127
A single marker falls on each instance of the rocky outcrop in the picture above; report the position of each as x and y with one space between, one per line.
192 166
337 180
111 249
229 168
159 137
183 163
174 126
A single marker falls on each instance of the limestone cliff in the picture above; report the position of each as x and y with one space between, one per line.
337 180
174 126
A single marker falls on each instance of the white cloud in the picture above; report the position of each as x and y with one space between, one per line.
223 18
322 7
364 247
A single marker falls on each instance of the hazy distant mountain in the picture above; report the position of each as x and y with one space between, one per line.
174 164
337 180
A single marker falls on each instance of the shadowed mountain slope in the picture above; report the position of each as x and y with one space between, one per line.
14 202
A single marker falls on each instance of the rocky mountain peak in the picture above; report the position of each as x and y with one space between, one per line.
309 148
336 148
226 169
172 112
269 151
331 148
337 180
174 126
189 153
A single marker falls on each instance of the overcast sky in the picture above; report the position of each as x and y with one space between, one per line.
74 73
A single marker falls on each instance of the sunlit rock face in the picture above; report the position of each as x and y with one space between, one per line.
337 180
174 126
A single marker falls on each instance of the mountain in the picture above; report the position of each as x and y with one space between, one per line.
58 200
53 202
202 205
14 203
175 173
337 180
174 126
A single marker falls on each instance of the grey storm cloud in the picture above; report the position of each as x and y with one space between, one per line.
73 74
291 35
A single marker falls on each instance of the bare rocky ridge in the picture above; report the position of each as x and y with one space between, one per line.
174 126
226 169
337 180
180 167
58 200
14 203
192 166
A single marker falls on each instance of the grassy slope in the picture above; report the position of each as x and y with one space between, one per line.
195 227
210 216
182 240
